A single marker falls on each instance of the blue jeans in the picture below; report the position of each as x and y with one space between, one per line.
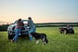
17 32
30 31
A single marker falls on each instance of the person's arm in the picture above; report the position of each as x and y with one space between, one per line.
28 23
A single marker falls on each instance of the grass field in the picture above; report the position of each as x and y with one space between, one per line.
57 42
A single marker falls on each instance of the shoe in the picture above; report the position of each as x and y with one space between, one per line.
11 40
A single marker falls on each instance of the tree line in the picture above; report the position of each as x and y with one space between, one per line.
4 27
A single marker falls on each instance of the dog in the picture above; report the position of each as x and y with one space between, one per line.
39 36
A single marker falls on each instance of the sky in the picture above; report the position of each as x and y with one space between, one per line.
40 10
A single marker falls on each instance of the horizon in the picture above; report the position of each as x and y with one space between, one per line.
41 11
4 23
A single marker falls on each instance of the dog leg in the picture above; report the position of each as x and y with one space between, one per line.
37 41
43 40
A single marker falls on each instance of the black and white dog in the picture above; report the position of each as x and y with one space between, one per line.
39 36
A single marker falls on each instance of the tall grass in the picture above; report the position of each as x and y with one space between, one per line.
57 42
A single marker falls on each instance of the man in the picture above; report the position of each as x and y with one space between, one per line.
31 26
18 28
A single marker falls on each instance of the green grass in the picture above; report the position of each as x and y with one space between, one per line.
57 42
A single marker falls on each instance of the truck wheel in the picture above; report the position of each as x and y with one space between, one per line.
10 36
